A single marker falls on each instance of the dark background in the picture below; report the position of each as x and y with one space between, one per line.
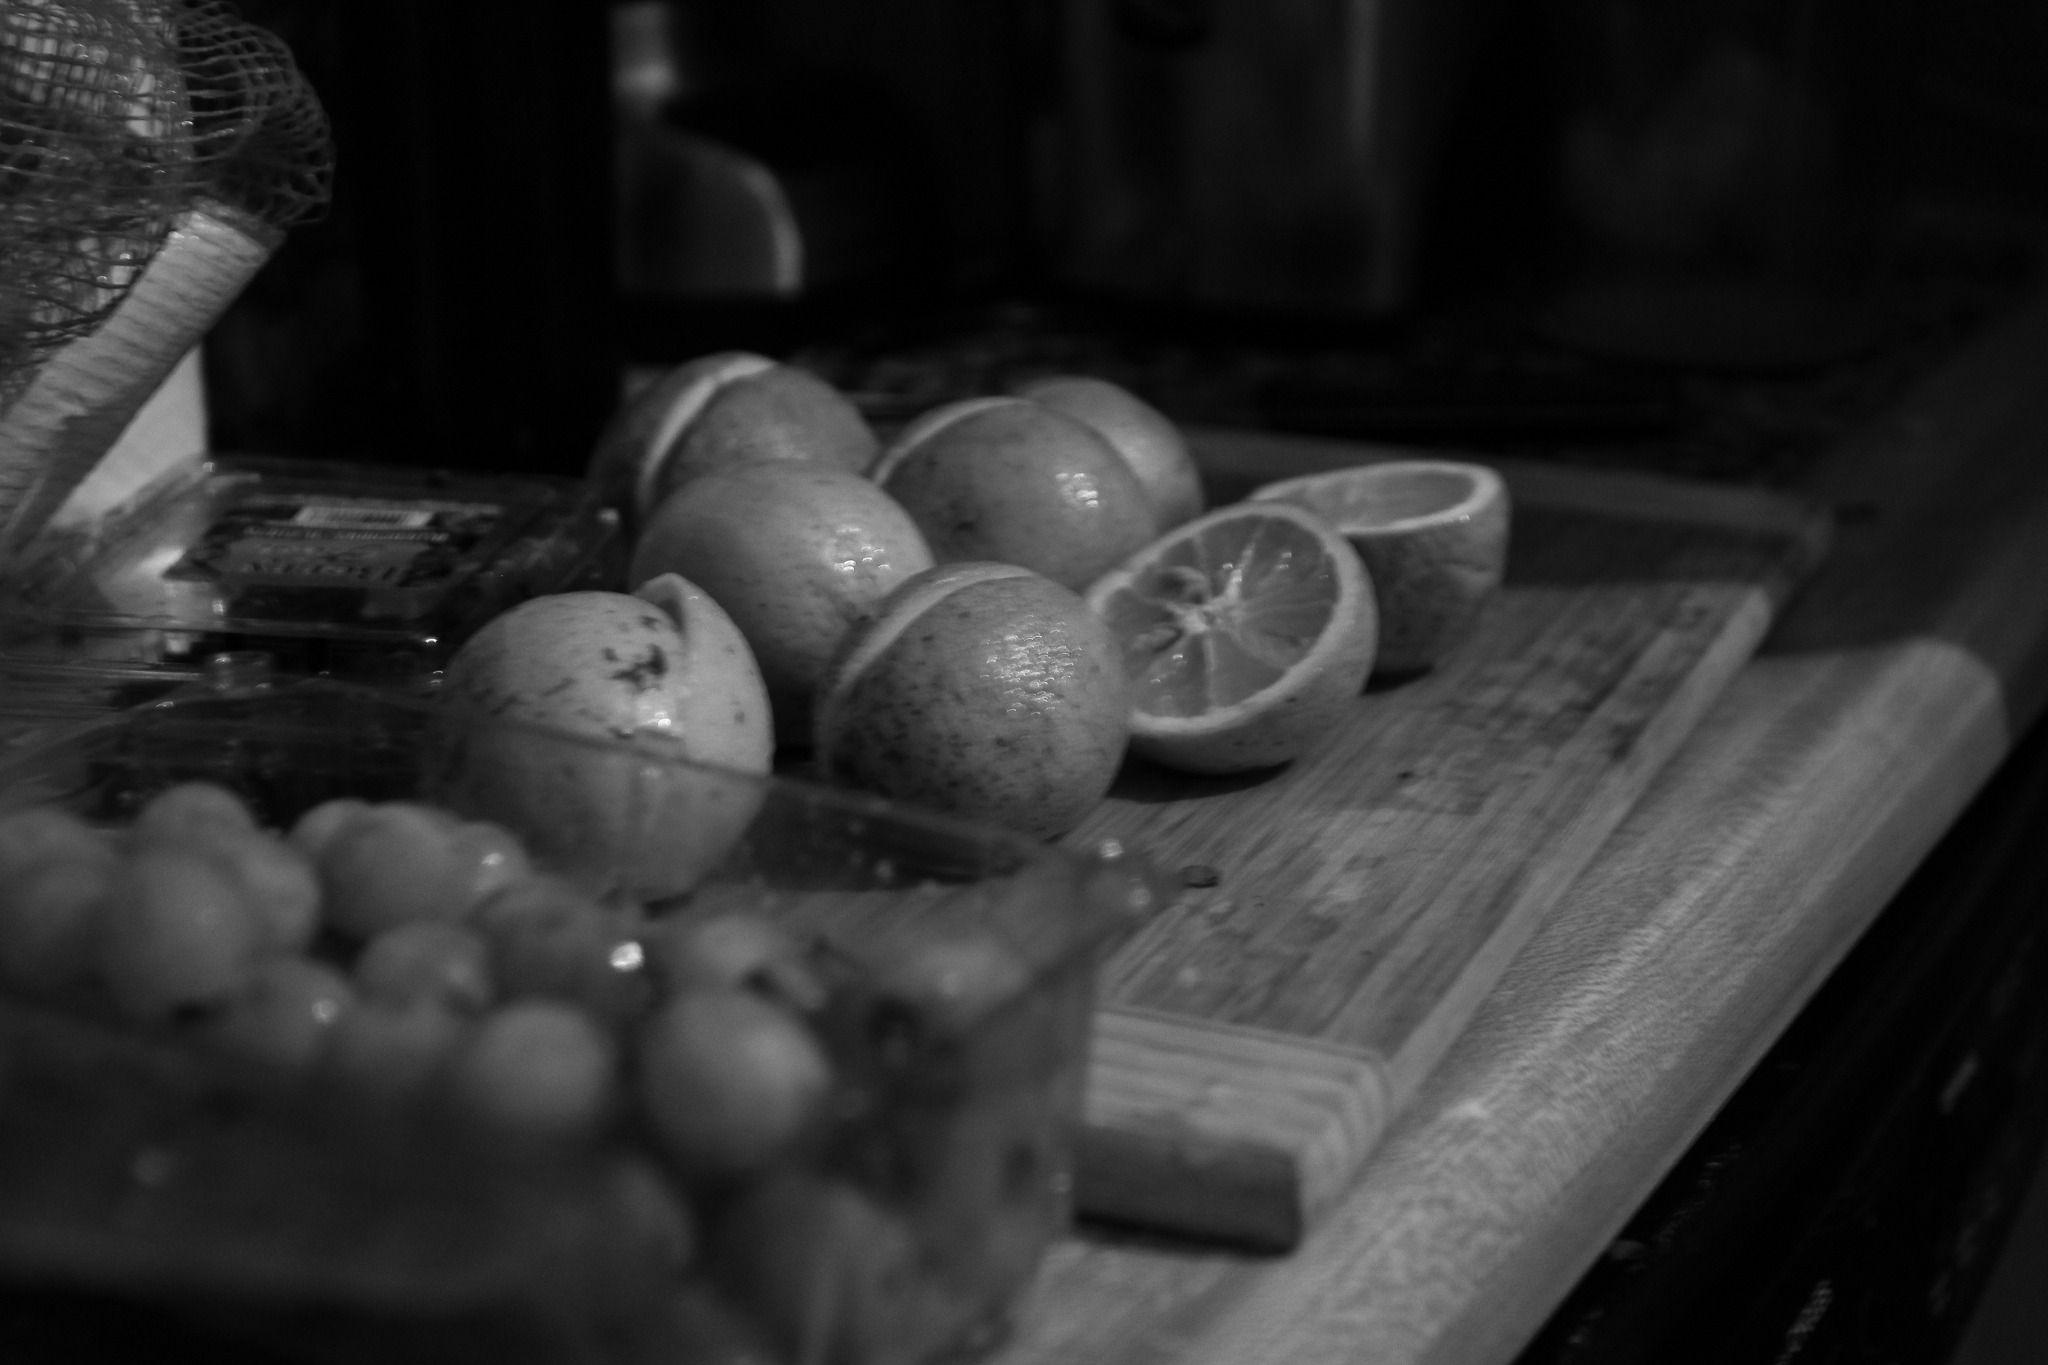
458 304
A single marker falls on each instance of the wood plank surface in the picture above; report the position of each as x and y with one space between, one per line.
1831 764
1263 1030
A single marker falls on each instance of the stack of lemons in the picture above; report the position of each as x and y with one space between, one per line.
982 614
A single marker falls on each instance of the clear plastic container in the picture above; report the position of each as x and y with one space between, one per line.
44 695
354 570
941 974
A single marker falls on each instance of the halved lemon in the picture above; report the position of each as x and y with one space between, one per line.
981 688
1433 535
1246 634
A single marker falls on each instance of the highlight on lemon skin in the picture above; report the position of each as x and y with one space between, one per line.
796 553
1005 479
1150 442
983 689
1245 634
725 408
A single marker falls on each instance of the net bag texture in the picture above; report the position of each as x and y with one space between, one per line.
124 124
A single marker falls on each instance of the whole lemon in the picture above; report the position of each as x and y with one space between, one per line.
795 552
1150 441
983 689
1013 481
729 407
620 682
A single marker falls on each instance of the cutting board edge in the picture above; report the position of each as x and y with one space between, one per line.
1409 1065
1268 1129
1157 1152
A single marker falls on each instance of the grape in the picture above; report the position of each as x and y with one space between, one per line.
989 1181
954 978
283 1013
284 885
389 1053
403 860
178 935
55 876
427 961
710 1329
729 1080
537 1070
549 938
831 1273
315 829
658 1230
276 879
529 901
461 982
49 916
638 1264
41 834
193 808
735 949
495 855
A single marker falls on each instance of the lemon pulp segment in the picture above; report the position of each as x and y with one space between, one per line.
1222 614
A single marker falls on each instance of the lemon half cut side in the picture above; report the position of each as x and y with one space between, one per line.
1433 535
1246 633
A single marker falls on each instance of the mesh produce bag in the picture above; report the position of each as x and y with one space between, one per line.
152 154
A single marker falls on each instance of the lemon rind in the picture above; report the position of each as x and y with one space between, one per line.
683 409
900 611
930 424
1487 487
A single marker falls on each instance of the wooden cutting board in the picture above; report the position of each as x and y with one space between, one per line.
1343 917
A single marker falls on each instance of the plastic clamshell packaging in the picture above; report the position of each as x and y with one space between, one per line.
356 570
944 973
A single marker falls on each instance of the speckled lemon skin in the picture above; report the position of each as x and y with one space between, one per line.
1017 482
780 414
1432 584
796 554
1150 442
1434 563
1002 699
615 665
671 674
741 407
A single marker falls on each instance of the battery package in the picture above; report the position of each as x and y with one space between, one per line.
354 570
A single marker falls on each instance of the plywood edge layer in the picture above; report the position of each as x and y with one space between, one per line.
1222 1132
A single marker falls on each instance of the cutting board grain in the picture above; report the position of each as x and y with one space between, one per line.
1344 916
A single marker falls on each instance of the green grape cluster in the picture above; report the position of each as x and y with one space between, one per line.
838 1159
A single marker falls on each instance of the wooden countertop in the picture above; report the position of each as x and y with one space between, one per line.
1882 702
